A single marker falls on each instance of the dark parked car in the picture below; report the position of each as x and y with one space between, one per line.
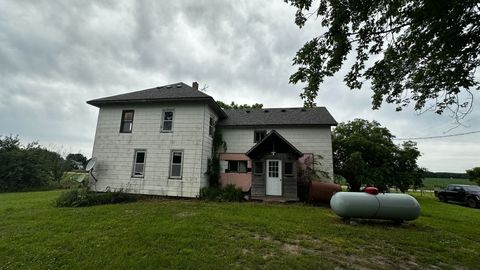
466 194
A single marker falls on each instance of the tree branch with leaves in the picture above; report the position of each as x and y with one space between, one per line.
424 52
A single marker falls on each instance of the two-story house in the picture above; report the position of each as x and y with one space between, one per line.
159 141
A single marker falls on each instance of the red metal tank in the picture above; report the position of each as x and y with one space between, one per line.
371 190
319 192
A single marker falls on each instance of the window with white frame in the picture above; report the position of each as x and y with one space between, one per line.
139 163
167 121
127 121
176 164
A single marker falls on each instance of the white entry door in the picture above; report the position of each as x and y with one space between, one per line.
274 177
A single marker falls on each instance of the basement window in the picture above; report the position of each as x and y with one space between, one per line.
126 124
258 135
237 166
139 163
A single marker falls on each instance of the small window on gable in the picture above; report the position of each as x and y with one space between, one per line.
258 168
167 121
289 168
126 124
211 128
237 166
176 164
139 163
258 135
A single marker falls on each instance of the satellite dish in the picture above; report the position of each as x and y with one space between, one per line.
91 164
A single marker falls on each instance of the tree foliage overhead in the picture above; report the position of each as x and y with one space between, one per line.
233 105
364 154
474 175
426 51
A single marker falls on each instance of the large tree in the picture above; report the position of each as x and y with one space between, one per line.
77 157
423 51
364 154
474 175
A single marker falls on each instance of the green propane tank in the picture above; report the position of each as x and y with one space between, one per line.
391 206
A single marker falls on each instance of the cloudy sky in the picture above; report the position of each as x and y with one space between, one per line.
55 55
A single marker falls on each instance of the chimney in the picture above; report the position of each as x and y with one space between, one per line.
195 85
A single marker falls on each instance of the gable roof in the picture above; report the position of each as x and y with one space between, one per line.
172 92
278 116
282 146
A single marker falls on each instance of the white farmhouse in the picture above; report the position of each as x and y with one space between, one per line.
159 141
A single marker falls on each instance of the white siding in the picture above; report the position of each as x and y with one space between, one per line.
115 150
207 145
315 140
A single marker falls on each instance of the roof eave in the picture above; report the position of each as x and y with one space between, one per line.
274 125
212 103
273 132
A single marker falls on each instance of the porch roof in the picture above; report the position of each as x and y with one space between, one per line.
273 142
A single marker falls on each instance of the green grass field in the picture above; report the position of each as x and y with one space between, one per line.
436 183
190 234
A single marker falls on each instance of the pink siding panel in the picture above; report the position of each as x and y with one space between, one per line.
241 180
229 156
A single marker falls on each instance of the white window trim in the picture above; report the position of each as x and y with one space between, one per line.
135 162
170 176
122 120
163 120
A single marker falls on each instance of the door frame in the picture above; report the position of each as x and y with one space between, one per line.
280 175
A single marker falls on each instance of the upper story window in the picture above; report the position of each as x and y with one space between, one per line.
127 121
139 163
211 128
176 164
167 121
258 135
237 166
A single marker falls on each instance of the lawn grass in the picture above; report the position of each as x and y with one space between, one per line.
191 234
438 183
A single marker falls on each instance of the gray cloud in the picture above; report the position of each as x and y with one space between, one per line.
56 55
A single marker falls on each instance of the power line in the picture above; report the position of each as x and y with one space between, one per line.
436 137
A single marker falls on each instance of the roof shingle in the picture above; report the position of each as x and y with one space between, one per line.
231 117
278 116
167 92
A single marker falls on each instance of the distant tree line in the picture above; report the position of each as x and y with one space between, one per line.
32 166
234 105
447 175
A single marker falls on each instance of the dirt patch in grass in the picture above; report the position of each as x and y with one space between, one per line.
327 250
185 214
